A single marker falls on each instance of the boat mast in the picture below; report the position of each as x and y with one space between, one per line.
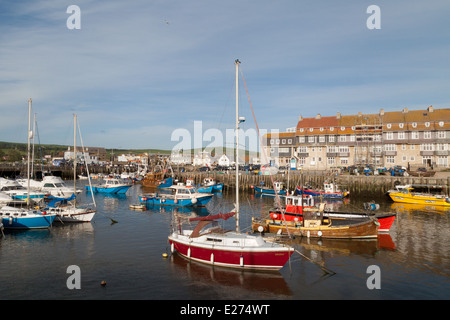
30 134
74 151
237 62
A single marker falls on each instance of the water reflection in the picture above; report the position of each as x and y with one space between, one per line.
272 283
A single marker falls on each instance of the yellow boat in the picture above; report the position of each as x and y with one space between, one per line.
406 195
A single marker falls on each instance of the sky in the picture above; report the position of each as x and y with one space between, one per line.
139 72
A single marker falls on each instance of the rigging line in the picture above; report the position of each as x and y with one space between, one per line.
264 155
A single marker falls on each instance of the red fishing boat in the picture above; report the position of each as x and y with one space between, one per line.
297 205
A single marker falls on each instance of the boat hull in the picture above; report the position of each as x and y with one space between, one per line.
268 191
240 257
208 189
35 221
359 230
165 183
419 199
170 201
385 220
326 195
112 190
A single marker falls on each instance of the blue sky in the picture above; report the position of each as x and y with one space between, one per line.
138 70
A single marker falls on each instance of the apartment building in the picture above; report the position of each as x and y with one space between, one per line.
406 138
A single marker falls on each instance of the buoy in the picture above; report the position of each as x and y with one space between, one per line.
103 283
165 255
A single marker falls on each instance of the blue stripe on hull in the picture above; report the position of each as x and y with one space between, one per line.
117 190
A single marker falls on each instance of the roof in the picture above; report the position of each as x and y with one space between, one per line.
428 119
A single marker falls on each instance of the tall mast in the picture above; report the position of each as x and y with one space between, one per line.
74 151
237 62
30 134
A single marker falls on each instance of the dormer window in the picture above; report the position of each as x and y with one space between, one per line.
342 128
427 124
414 125
389 125
441 123
401 125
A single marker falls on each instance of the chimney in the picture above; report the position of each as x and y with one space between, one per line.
359 114
318 116
338 115
430 109
381 112
300 118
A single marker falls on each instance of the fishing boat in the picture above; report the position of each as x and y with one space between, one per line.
212 182
26 218
110 185
296 206
181 195
407 195
330 191
278 188
200 188
218 247
316 226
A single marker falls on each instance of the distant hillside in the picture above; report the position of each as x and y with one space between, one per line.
17 150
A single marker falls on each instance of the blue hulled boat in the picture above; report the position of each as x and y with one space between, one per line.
110 185
17 218
330 191
166 183
181 196
279 186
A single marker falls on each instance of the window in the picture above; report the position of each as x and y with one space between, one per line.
277 141
427 147
321 138
283 141
272 141
427 134
390 159
331 138
403 146
342 138
441 146
401 135
311 139
301 139
389 125
390 147
441 123
389 135
352 138
414 135
302 160
344 149
441 134
443 161
303 149
344 160
331 161
289 141
427 124
331 149
401 125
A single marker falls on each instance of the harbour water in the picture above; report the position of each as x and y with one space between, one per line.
413 259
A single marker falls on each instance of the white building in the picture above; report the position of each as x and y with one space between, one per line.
224 161
202 159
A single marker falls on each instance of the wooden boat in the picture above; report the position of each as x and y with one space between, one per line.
278 186
320 228
296 205
153 179
330 191
224 248
421 173
406 195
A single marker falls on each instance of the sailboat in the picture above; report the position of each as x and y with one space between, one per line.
26 218
215 246
65 208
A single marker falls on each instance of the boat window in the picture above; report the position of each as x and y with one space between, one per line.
213 239
48 185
